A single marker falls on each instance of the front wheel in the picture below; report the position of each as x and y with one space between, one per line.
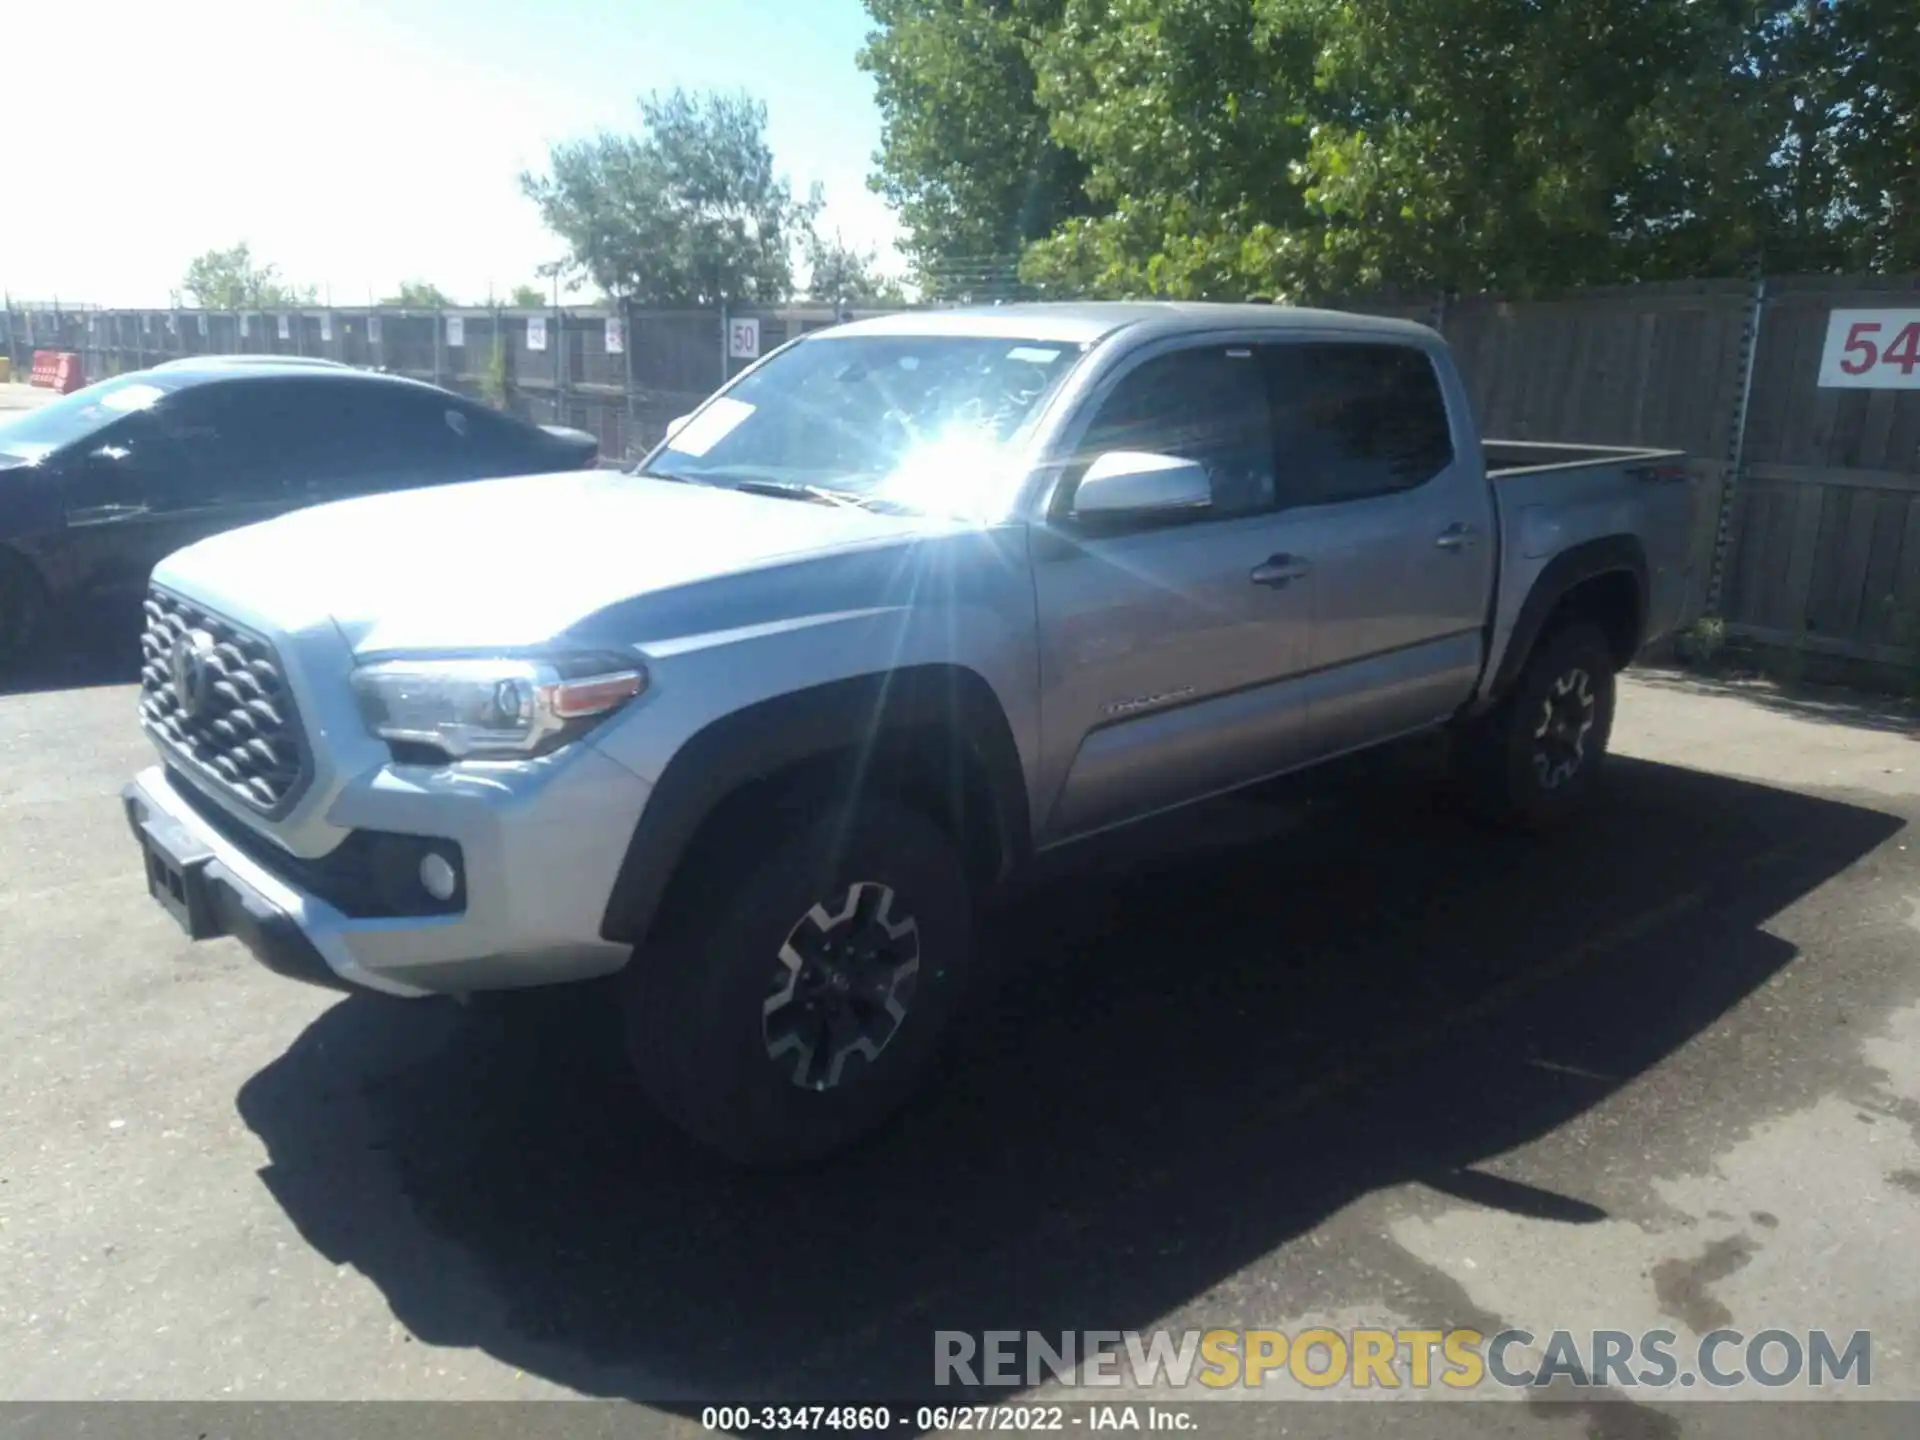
1534 761
23 607
800 1001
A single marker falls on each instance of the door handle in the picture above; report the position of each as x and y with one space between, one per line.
1455 537
1280 570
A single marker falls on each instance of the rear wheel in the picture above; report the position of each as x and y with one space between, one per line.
1534 761
800 1000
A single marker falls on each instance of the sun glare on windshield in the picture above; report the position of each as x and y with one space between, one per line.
918 422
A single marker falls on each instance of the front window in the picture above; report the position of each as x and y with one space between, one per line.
910 422
38 433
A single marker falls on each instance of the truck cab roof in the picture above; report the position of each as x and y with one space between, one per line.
1084 322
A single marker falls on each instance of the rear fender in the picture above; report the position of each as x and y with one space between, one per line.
1589 560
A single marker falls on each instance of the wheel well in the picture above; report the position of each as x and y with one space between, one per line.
928 768
1610 601
19 574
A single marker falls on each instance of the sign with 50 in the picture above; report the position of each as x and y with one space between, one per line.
1871 350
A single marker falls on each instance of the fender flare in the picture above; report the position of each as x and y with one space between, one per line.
1589 560
840 717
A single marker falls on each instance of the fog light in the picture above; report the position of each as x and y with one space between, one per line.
437 876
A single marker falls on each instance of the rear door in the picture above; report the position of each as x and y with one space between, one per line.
382 436
1399 522
1165 657
400 437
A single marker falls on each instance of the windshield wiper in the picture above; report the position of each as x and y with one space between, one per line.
779 490
783 489
798 490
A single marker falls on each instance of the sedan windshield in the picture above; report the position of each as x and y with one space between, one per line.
36 433
913 422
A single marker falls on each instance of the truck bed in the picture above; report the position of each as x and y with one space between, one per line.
1551 499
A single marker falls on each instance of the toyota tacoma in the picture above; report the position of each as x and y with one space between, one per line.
757 725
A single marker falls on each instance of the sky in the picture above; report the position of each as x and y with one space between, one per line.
357 143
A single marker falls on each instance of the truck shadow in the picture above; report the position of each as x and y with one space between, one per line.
1188 1065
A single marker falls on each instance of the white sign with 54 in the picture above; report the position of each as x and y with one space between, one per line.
1871 350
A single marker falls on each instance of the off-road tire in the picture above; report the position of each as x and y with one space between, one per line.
23 612
1521 766
696 998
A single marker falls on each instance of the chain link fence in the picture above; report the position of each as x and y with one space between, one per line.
619 373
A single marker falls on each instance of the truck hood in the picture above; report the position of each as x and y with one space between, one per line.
504 563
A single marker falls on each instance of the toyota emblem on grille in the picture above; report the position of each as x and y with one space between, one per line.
188 665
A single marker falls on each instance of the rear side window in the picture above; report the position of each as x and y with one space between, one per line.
495 440
244 440
375 436
1356 421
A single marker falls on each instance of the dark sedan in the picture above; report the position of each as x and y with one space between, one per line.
97 486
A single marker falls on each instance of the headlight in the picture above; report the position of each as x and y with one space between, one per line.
494 708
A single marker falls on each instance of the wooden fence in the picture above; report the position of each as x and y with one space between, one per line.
1827 515
1807 500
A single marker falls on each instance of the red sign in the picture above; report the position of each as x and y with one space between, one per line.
56 370
1871 350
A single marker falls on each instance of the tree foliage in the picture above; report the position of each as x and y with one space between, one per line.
967 158
1315 147
840 273
687 212
419 295
527 297
230 280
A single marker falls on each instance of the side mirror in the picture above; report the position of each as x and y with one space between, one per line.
677 424
1137 482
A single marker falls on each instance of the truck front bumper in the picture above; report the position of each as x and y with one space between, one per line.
539 852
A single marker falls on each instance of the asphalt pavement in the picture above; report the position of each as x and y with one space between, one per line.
1376 1068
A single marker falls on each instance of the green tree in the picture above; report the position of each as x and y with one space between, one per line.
419 295
527 297
1499 144
1305 148
966 156
230 280
1312 147
1516 145
1188 116
1848 95
845 274
689 211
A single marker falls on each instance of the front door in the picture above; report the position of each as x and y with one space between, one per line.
1170 650
198 462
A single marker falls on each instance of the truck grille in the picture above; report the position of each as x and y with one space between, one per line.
215 696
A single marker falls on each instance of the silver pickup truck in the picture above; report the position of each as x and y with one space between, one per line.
902 607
